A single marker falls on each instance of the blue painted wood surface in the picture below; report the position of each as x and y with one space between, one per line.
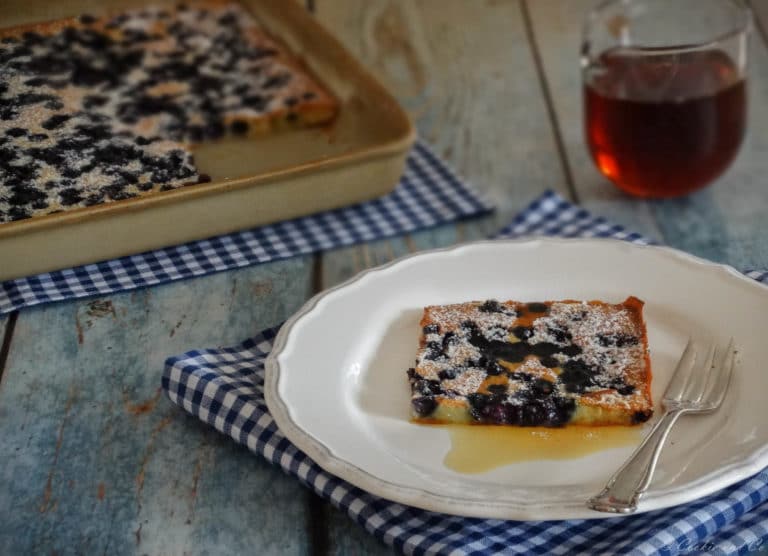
95 460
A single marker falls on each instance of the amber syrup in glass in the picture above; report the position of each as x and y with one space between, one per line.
663 125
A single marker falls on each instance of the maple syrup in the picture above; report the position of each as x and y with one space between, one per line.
663 125
481 448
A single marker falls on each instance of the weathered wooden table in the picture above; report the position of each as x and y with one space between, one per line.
95 460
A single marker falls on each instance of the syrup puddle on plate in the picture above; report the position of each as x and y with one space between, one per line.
480 448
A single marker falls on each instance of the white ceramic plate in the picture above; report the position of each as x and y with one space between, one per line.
336 381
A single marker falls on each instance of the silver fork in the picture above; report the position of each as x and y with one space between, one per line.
692 389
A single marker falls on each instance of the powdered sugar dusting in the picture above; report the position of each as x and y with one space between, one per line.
542 358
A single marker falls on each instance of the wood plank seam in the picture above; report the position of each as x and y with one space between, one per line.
551 112
317 273
5 348
318 526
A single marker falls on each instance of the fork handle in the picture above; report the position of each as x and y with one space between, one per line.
627 485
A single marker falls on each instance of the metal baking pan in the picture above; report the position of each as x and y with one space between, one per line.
361 156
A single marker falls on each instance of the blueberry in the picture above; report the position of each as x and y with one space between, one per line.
549 362
561 336
16 132
277 80
623 388
447 374
228 19
571 350
55 121
203 178
576 376
18 213
475 338
94 199
537 307
87 19
90 76
560 411
257 102
448 340
427 387
431 329
25 195
92 101
116 192
423 405
497 388
533 414
25 99
543 349
433 351
508 352
541 388
492 368
8 112
617 340
54 104
36 82
477 403
499 413
241 90
641 416
491 306
53 157
71 172
522 332
70 196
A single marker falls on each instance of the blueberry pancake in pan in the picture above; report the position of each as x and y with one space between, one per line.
532 364
99 109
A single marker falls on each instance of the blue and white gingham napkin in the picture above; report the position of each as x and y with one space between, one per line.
428 194
224 388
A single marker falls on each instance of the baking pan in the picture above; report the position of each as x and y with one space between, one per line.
294 173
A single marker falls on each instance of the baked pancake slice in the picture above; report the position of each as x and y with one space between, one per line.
100 109
548 364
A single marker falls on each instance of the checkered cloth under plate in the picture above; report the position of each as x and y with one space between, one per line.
428 194
224 388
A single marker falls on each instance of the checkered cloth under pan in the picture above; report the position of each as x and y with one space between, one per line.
224 388
428 194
